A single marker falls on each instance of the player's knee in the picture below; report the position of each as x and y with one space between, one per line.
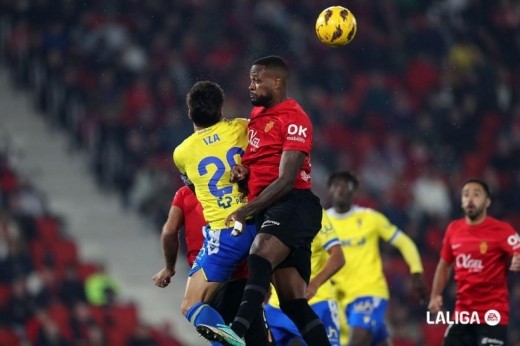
185 307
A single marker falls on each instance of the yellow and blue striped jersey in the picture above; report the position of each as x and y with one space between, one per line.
206 159
324 240
359 231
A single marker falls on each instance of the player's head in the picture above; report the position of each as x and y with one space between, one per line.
205 100
342 186
475 199
269 77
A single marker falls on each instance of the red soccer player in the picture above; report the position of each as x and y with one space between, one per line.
480 248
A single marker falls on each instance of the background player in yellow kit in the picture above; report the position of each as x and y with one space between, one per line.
361 285
327 258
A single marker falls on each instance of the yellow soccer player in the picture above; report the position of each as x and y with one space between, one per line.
327 258
361 285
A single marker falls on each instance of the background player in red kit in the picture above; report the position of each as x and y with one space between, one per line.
287 213
186 211
480 248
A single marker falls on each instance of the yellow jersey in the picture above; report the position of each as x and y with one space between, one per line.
324 240
359 231
206 158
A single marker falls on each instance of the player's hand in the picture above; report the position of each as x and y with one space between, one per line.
311 290
239 219
163 278
435 304
419 287
515 263
238 173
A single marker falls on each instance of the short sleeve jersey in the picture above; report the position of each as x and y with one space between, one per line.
481 254
359 231
272 131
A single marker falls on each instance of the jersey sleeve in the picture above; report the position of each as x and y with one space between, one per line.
327 234
297 133
178 161
510 243
178 199
386 230
446 253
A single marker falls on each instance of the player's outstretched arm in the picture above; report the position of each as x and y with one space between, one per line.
290 164
440 280
409 251
334 263
170 246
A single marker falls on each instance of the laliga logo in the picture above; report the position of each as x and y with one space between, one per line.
491 317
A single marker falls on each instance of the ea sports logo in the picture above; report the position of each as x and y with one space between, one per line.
492 317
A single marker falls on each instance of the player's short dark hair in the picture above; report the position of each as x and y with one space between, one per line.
482 183
205 100
275 62
343 175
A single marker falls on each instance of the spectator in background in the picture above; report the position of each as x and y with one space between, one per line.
100 288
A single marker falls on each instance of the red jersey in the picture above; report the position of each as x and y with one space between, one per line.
482 257
271 131
188 203
194 222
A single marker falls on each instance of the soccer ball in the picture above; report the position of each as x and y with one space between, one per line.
336 26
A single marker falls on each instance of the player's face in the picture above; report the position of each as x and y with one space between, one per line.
474 201
341 192
262 85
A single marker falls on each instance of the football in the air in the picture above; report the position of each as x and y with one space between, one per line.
336 26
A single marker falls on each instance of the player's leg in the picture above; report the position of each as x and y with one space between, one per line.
327 312
459 335
227 300
194 304
291 287
214 265
491 335
366 319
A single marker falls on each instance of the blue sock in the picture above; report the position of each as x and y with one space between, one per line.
202 313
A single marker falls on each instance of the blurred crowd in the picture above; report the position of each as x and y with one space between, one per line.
427 95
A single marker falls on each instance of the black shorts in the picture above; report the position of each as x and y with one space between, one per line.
475 335
227 300
295 219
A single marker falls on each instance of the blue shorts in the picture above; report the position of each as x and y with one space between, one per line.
369 313
221 252
284 330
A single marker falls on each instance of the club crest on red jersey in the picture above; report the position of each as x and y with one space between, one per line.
269 126
483 248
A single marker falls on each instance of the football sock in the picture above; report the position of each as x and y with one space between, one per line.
202 313
310 326
254 295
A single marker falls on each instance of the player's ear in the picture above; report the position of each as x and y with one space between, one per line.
189 113
488 202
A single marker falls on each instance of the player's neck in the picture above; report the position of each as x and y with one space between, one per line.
342 209
476 221
276 101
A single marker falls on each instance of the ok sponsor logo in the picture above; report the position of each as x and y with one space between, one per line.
467 262
514 241
297 130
